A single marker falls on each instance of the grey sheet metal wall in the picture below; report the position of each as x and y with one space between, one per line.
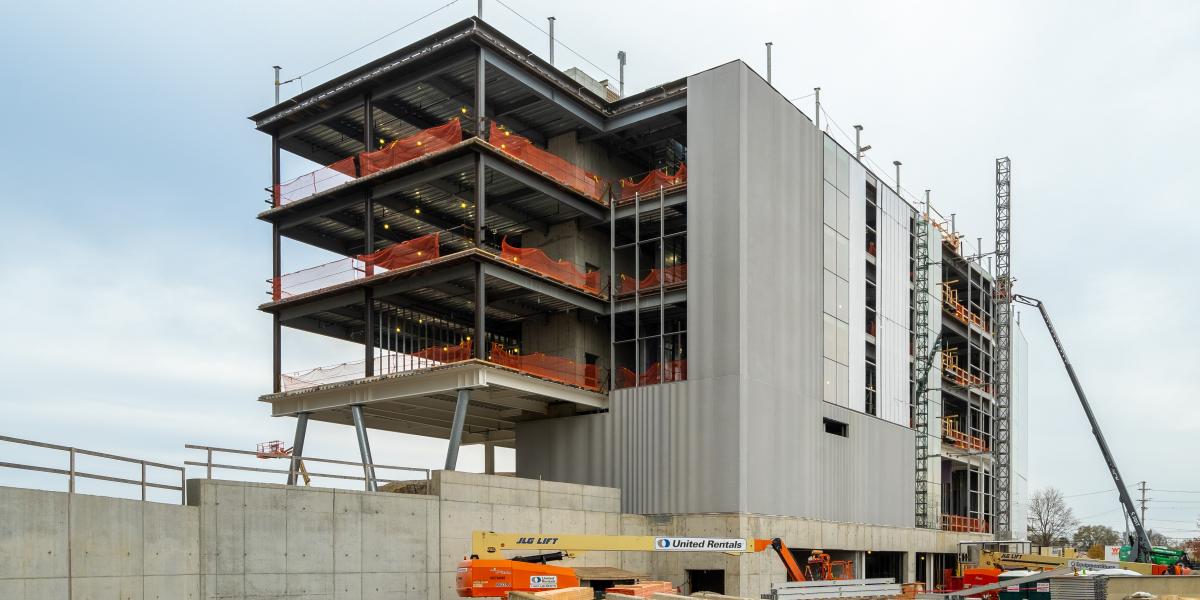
745 433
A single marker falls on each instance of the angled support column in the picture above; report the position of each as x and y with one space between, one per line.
456 429
364 447
297 447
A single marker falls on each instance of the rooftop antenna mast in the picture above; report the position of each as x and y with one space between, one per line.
769 44
551 19
621 72
277 84
479 10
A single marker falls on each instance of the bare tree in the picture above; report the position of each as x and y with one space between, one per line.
1051 521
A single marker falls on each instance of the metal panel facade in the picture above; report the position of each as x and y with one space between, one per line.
893 289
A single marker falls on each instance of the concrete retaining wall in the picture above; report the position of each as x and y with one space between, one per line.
58 546
243 541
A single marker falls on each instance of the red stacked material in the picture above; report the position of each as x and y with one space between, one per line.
668 276
553 166
403 254
447 353
554 368
414 146
676 370
644 589
652 182
560 270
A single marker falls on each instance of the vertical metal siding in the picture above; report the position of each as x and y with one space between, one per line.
893 289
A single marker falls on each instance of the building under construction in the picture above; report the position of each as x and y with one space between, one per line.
690 293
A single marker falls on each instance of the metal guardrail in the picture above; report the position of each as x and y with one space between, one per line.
72 473
209 465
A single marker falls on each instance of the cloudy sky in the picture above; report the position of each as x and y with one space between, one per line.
131 261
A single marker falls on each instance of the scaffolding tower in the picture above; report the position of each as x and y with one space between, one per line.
921 367
1003 375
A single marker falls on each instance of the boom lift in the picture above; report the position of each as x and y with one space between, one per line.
488 573
1143 557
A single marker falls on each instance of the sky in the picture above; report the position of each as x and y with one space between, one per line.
132 263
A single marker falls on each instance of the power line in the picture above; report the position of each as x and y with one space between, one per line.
378 39
556 40
1091 493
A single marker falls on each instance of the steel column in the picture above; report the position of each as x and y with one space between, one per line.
297 446
480 106
480 313
276 273
364 447
456 429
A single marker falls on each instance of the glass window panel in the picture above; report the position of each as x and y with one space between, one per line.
843 343
843 257
843 385
830 349
830 205
830 249
830 393
843 170
843 300
843 214
830 160
830 291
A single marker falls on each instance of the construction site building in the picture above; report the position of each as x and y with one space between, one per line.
691 293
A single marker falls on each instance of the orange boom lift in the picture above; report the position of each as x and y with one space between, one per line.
489 574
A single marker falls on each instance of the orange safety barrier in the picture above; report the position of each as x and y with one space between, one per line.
652 182
365 163
554 368
960 375
559 270
403 254
951 305
553 166
414 146
676 370
669 276
960 439
964 524
447 353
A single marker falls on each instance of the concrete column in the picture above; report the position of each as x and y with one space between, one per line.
489 458
364 447
297 447
456 429
910 567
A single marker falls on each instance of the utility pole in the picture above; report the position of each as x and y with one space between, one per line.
1142 488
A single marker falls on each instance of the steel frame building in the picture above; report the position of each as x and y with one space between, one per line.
750 346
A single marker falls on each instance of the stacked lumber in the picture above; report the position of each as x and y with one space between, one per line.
644 589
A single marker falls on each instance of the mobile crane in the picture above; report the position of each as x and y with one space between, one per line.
1143 556
488 573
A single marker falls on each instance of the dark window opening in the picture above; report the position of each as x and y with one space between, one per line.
706 580
590 359
837 428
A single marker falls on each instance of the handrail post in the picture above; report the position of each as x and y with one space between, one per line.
71 478
209 474
183 486
143 481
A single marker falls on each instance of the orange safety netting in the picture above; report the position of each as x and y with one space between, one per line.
413 146
560 270
553 166
652 182
403 254
668 276
964 524
554 368
364 163
446 353
676 370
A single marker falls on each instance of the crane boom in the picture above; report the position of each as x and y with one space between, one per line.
1141 541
